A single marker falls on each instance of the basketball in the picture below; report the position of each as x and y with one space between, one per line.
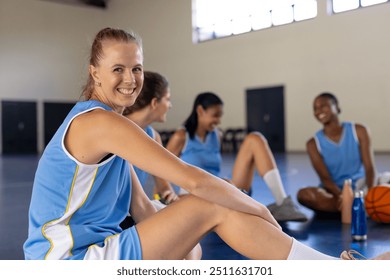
377 203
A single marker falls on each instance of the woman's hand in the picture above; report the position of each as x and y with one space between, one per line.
168 197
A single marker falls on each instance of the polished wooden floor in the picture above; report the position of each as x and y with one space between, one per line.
328 236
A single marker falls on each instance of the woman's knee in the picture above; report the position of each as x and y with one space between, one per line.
255 138
212 211
305 196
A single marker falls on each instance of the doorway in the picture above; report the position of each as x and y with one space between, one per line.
265 113
19 127
54 115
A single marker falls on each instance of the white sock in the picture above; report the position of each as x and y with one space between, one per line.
274 182
300 251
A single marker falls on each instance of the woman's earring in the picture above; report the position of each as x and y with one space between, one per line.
98 84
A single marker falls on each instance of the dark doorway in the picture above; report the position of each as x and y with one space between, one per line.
54 114
265 113
19 127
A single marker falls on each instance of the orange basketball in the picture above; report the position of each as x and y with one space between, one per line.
377 203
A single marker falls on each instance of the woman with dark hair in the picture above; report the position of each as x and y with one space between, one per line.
198 143
152 105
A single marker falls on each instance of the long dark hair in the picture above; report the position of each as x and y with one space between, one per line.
155 86
206 100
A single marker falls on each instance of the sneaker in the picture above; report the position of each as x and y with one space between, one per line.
355 255
287 211
352 255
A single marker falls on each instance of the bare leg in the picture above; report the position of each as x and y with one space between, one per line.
181 225
196 252
318 199
254 153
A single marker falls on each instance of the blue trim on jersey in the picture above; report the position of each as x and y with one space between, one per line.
342 159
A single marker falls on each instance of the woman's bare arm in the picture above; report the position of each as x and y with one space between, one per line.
141 207
98 133
176 142
366 153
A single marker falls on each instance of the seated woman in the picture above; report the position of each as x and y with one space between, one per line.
151 106
339 151
198 142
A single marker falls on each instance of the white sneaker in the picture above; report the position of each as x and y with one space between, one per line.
355 255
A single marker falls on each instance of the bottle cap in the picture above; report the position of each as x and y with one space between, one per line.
359 193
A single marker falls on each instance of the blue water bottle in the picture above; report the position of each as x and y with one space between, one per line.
359 219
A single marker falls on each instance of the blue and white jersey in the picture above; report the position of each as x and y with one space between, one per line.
76 208
203 154
141 174
343 159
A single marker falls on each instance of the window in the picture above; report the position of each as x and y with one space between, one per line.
347 5
220 18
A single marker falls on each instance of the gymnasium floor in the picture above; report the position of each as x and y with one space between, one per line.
328 236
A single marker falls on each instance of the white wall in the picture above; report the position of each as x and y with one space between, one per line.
44 51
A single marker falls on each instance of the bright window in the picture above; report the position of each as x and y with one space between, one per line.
366 3
347 5
220 18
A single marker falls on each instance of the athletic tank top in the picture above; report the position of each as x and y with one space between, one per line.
205 155
142 175
75 205
342 159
